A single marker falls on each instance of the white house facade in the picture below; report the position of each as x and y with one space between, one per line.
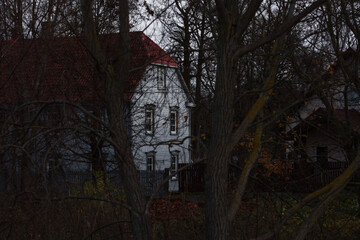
56 80
160 119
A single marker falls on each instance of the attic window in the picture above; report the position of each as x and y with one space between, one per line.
161 78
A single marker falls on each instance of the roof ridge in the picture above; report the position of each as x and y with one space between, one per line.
65 66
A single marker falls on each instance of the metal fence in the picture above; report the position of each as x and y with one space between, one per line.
151 180
192 179
66 182
2 181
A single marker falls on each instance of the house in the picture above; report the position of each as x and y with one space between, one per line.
325 132
50 85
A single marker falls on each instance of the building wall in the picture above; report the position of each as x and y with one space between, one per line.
336 97
161 143
68 149
317 139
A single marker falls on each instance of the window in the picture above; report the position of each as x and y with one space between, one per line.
322 156
161 78
2 114
174 164
150 161
355 144
353 98
174 121
51 165
149 119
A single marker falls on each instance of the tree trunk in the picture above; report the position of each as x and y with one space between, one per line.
217 223
199 73
115 77
129 175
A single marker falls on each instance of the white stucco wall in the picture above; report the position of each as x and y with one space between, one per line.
73 147
161 142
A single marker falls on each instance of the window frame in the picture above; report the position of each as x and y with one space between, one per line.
322 156
51 165
161 78
149 120
174 164
353 98
3 114
174 123
150 165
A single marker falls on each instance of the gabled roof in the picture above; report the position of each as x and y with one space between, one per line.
313 107
62 68
321 115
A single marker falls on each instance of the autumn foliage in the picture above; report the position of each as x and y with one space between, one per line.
270 163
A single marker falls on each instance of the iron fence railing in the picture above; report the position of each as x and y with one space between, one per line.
67 181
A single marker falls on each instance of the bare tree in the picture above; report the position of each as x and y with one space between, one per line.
233 24
116 77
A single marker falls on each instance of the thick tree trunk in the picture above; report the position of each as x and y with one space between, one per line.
129 175
115 77
217 223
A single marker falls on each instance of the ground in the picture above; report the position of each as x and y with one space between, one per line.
177 216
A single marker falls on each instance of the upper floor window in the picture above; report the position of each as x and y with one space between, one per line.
149 119
161 78
174 120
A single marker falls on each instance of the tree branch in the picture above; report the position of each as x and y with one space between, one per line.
241 185
287 25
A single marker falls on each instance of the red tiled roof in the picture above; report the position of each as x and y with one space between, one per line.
62 68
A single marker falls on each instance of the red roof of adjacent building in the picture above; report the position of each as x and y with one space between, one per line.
63 69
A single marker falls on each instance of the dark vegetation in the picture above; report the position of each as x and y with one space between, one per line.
250 65
179 216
